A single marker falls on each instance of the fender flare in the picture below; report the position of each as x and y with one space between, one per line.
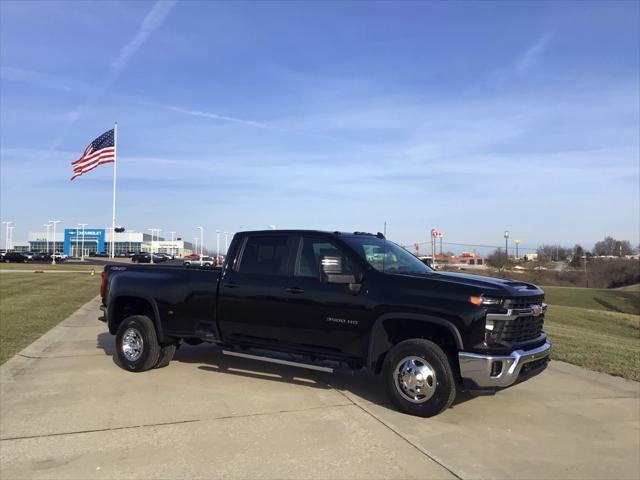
150 300
378 344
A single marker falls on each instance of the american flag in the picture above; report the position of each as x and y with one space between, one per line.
101 150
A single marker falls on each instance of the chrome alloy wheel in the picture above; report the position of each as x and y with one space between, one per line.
132 344
415 379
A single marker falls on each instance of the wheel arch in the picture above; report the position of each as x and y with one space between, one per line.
123 306
392 328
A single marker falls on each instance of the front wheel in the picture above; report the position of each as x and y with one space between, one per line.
137 344
418 378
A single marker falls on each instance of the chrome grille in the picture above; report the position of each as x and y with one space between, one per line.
519 324
522 328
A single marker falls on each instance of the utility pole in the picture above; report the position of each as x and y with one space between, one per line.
433 248
586 277
173 244
6 238
55 222
226 242
82 253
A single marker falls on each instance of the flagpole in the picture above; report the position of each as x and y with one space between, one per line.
115 165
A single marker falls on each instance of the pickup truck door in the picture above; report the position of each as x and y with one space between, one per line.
326 318
245 309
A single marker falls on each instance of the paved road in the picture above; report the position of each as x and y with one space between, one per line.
67 411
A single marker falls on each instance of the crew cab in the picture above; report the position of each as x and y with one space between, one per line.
330 302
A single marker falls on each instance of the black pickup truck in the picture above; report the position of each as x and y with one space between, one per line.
332 301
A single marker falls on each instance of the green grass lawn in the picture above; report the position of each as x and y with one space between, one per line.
596 329
32 303
625 300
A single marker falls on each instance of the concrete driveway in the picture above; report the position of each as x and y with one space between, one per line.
67 411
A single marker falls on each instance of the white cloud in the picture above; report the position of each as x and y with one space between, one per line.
531 55
153 20
224 118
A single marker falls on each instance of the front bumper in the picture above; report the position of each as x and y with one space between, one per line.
493 372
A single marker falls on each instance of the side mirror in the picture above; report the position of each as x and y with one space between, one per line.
331 268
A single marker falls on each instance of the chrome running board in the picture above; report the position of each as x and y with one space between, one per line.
279 361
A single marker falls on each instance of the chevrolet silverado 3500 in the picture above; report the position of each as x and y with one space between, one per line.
334 301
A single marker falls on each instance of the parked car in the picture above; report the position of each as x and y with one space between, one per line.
192 256
41 257
29 255
206 262
166 256
60 257
335 302
141 257
15 257
145 257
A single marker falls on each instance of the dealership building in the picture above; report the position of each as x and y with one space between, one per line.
72 241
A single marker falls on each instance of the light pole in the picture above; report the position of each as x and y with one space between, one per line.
47 226
217 248
517 242
82 251
153 230
6 238
506 244
173 245
226 242
201 242
195 248
55 222
11 236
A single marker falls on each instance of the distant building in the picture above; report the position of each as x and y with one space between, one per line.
465 259
531 257
71 241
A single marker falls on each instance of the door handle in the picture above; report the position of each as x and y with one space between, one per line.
294 290
231 285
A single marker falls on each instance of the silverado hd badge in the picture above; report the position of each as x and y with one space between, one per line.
342 321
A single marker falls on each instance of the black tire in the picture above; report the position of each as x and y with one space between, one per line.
440 391
166 355
149 349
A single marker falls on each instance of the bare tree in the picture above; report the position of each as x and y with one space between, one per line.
553 253
498 259
612 247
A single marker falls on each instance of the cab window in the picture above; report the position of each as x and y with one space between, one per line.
265 255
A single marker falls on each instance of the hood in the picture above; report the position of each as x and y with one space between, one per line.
490 285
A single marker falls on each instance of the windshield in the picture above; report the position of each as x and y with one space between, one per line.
386 256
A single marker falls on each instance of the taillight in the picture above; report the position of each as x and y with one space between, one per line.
103 285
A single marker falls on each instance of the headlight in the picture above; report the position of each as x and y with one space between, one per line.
485 301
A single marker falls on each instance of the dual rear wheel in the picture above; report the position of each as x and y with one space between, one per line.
137 345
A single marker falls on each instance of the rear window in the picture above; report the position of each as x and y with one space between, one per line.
264 255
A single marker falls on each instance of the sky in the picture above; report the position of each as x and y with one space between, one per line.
470 118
